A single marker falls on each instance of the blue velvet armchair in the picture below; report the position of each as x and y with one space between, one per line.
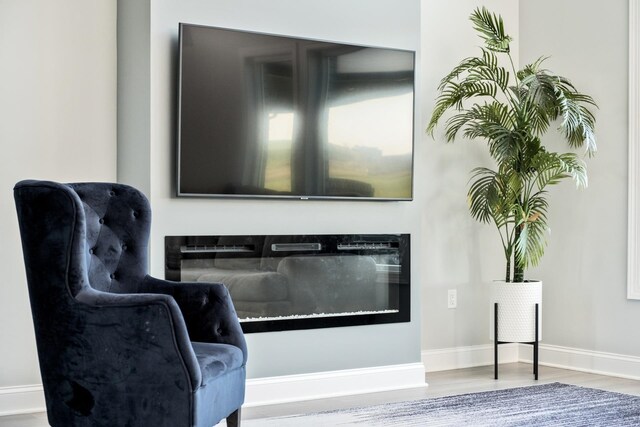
117 347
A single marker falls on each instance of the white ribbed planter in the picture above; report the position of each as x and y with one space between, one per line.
516 310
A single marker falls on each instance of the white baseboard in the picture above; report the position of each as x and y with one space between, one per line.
268 391
467 357
293 388
21 400
594 362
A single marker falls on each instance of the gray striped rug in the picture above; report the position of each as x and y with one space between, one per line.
541 405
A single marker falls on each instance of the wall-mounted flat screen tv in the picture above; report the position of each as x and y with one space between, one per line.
271 116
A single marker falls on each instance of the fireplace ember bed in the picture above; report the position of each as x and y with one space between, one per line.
289 282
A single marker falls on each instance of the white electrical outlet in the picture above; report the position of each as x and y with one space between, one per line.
452 298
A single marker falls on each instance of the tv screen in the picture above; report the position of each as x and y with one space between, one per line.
271 116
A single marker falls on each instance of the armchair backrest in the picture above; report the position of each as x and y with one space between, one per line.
117 220
89 234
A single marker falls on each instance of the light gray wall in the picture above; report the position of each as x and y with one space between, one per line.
57 122
457 252
584 270
382 23
134 157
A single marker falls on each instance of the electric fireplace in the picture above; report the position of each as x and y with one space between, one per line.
287 282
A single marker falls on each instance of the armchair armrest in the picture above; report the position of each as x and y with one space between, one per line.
207 309
127 324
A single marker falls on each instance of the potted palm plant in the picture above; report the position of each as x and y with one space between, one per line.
486 98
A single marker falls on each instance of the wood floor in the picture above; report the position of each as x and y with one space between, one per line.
440 384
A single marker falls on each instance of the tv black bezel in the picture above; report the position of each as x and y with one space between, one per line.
181 194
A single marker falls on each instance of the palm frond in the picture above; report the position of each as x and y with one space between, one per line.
464 66
492 196
550 97
552 168
531 68
491 29
477 116
473 77
577 123
532 242
453 95
480 205
488 70
495 123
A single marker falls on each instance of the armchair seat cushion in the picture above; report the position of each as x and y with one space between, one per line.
216 360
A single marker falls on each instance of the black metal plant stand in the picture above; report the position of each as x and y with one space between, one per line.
496 343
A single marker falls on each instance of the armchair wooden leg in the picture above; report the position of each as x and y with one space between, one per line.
233 420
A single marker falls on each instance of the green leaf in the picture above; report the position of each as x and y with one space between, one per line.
548 97
491 29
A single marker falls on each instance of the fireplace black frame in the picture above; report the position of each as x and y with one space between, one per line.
357 244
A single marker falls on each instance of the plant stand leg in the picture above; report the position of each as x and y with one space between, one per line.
495 341
535 347
534 343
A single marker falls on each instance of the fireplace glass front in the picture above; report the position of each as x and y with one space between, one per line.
286 282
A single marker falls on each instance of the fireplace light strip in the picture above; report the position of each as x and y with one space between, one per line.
215 248
291 247
315 315
366 246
